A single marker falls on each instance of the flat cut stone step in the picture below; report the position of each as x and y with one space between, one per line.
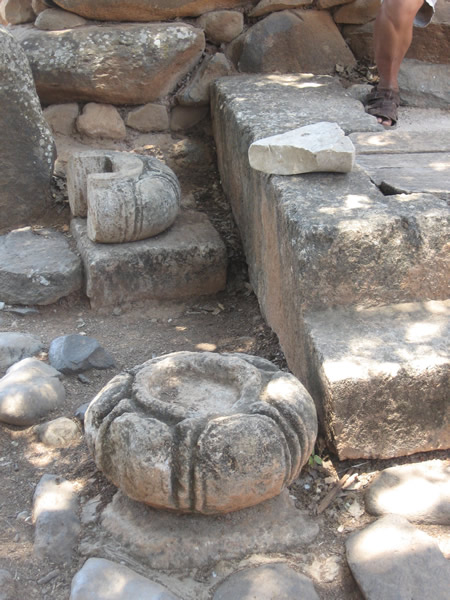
409 173
170 541
381 376
189 259
396 142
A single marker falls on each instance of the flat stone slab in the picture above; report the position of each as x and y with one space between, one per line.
374 368
420 492
409 173
29 391
266 583
202 432
392 560
16 346
103 579
319 147
398 142
167 540
55 506
189 259
37 267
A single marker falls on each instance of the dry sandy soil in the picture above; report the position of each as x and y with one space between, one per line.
229 322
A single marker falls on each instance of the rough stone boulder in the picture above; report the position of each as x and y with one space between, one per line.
29 391
115 64
144 10
15 11
288 42
37 267
202 432
26 144
126 197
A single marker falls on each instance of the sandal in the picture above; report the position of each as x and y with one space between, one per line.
383 103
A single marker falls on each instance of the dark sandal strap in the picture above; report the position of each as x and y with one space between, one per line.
383 103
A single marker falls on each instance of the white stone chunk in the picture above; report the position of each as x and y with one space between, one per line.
318 147
103 580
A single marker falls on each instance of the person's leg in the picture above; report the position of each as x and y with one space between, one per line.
392 38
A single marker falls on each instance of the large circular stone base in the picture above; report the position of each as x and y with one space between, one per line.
202 432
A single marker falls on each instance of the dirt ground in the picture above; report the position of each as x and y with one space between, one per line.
228 322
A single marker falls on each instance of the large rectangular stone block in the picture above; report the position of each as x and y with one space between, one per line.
189 259
382 376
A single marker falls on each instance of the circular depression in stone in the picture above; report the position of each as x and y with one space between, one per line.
202 432
191 386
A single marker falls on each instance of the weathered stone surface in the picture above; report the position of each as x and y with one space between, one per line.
101 121
58 433
319 147
188 259
373 369
183 118
16 346
197 92
26 144
39 6
391 560
402 142
126 64
264 7
358 12
171 541
266 582
222 26
251 427
8 589
53 19
57 525
420 492
286 42
424 85
324 4
37 268
409 173
62 117
150 117
103 579
127 197
144 10
29 391
14 12
75 353
429 44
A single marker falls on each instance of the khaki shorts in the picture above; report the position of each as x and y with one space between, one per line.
425 14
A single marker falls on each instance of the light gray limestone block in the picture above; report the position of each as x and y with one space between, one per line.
420 492
171 541
249 426
392 560
103 579
75 353
16 346
266 582
371 370
126 197
37 267
58 433
319 147
101 121
29 391
188 259
57 525
424 84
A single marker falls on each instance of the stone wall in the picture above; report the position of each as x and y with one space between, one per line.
159 58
